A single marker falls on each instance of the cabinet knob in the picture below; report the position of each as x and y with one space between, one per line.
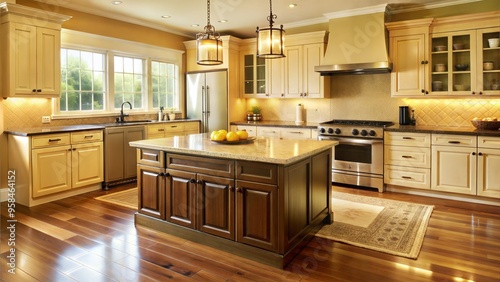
238 189
231 188
282 94
473 153
34 90
424 62
480 154
425 91
39 90
480 93
161 174
192 180
199 182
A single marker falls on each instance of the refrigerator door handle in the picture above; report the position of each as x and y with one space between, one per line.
204 108
208 101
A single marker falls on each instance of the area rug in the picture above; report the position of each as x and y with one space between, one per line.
126 198
388 226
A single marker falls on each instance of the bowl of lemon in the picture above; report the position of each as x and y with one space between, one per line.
489 123
231 137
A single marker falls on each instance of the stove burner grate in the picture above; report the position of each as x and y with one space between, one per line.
373 123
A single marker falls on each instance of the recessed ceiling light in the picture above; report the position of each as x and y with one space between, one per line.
223 21
116 2
195 25
292 5
165 16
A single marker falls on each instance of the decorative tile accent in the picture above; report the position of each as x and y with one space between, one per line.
453 112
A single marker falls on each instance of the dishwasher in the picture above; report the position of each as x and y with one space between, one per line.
120 160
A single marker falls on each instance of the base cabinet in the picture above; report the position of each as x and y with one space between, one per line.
51 170
488 176
261 210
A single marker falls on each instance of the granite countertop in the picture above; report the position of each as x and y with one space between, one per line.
462 130
277 123
70 128
268 150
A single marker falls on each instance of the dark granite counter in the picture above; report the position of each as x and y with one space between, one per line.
277 123
70 128
465 130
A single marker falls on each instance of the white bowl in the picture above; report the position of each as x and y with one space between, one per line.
459 87
439 48
458 46
437 85
494 42
488 65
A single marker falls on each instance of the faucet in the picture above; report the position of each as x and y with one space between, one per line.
122 115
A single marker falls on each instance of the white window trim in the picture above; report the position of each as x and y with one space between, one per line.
113 46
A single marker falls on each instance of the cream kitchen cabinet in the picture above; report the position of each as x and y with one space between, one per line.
488 175
168 129
268 131
253 76
409 42
407 159
454 163
31 56
277 131
57 165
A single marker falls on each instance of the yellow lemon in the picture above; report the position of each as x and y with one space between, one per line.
219 136
222 131
212 136
243 134
232 136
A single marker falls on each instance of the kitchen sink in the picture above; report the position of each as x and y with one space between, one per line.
135 121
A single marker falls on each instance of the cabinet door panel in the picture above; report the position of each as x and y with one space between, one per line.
132 134
216 206
51 170
115 158
453 169
257 215
488 182
151 191
408 75
48 61
293 77
87 164
23 59
181 198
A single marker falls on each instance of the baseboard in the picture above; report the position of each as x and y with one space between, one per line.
4 194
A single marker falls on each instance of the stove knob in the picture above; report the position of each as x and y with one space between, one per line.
330 130
322 130
337 131
355 132
364 132
372 133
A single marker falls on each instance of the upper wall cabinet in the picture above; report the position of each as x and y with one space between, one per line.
446 57
30 61
289 77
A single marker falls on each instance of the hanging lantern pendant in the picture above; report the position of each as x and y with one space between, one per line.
270 41
208 44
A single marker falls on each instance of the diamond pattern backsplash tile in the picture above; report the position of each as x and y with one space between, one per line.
453 112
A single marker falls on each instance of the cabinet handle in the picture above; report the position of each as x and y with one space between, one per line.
34 90
161 174
454 142
74 149
479 154
199 182
282 94
192 180
161 129
406 177
39 90
55 140
296 132
88 136
408 138
407 157
231 188
173 126
480 92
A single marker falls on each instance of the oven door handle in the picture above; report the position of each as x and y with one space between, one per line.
354 140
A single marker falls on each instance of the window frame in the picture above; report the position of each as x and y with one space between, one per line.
110 46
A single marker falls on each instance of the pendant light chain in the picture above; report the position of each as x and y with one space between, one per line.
270 40
208 13
272 16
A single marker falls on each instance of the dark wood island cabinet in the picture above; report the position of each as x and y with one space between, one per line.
262 200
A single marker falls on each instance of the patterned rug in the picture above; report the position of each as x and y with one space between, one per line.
126 198
389 226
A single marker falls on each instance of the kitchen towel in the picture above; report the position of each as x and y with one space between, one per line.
299 119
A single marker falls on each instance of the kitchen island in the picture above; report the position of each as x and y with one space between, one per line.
263 200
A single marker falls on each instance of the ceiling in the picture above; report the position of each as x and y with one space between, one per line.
242 16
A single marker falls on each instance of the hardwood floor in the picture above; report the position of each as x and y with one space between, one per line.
82 239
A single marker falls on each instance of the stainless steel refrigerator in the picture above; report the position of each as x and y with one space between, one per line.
206 99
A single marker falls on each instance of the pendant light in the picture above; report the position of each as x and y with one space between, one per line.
270 40
208 44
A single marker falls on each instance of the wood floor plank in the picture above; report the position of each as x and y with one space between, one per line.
83 239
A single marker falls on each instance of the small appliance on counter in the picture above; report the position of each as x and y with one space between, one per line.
404 115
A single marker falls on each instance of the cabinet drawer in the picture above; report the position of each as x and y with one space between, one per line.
192 126
48 140
488 142
407 176
407 156
151 157
174 127
155 129
209 166
266 131
86 136
407 139
454 140
257 172
252 130
296 133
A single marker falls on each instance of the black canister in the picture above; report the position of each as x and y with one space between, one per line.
404 115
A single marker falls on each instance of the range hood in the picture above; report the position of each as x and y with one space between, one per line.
356 45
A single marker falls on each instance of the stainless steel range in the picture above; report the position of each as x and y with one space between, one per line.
358 159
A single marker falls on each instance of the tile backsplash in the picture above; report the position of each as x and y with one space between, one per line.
453 112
